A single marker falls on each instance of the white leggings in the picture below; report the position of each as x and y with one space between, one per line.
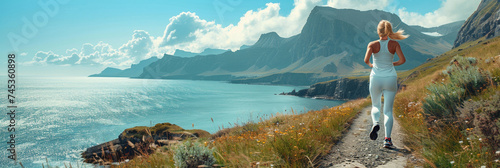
387 86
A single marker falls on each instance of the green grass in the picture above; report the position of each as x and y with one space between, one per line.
440 145
298 140
292 140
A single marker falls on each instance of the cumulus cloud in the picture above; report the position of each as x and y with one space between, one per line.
362 5
138 48
450 11
49 57
199 34
71 51
182 27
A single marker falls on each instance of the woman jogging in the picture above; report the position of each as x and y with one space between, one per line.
383 77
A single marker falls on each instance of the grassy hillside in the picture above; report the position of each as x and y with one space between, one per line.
456 140
297 140
293 140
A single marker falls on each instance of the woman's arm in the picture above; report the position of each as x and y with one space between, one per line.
369 52
401 56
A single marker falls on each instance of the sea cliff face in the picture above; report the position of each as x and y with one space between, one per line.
339 89
484 22
299 79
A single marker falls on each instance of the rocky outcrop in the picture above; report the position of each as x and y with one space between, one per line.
138 140
299 79
484 22
339 89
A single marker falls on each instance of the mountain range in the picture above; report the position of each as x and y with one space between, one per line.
331 45
134 71
207 51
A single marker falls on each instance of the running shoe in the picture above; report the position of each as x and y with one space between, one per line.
373 133
387 143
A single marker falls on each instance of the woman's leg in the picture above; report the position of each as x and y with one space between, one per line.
390 90
376 95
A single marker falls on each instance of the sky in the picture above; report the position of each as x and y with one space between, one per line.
82 37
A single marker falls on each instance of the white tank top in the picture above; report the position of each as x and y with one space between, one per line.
382 62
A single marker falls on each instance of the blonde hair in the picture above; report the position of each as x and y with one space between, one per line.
385 29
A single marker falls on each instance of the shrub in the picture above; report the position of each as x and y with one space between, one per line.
192 155
484 116
465 74
465 80
442 100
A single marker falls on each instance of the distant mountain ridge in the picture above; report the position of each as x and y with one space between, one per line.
331 45
134 71
446 29
484 22
207 51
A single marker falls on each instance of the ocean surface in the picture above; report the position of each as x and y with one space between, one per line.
59 117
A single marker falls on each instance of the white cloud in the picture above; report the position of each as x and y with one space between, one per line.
140 45
450 11
49 57
182 27
199 34
138 48
71 51
101 53
362 5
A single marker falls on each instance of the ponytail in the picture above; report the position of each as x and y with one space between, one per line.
385 29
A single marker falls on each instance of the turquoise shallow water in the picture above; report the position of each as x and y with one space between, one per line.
58 118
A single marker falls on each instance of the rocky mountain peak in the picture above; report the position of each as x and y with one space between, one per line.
269 40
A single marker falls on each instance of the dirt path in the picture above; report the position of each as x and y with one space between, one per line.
356 149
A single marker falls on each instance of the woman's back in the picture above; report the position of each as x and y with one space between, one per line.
382 61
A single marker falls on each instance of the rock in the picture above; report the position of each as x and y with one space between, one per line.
341 89
144 139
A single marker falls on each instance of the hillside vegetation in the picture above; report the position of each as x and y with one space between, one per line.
297 140
449 107
467 135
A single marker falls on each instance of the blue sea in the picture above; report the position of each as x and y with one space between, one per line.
59 117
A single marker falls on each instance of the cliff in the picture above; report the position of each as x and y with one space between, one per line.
302 79
339 89
484 22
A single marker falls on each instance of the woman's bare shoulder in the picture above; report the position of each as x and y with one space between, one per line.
373 43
